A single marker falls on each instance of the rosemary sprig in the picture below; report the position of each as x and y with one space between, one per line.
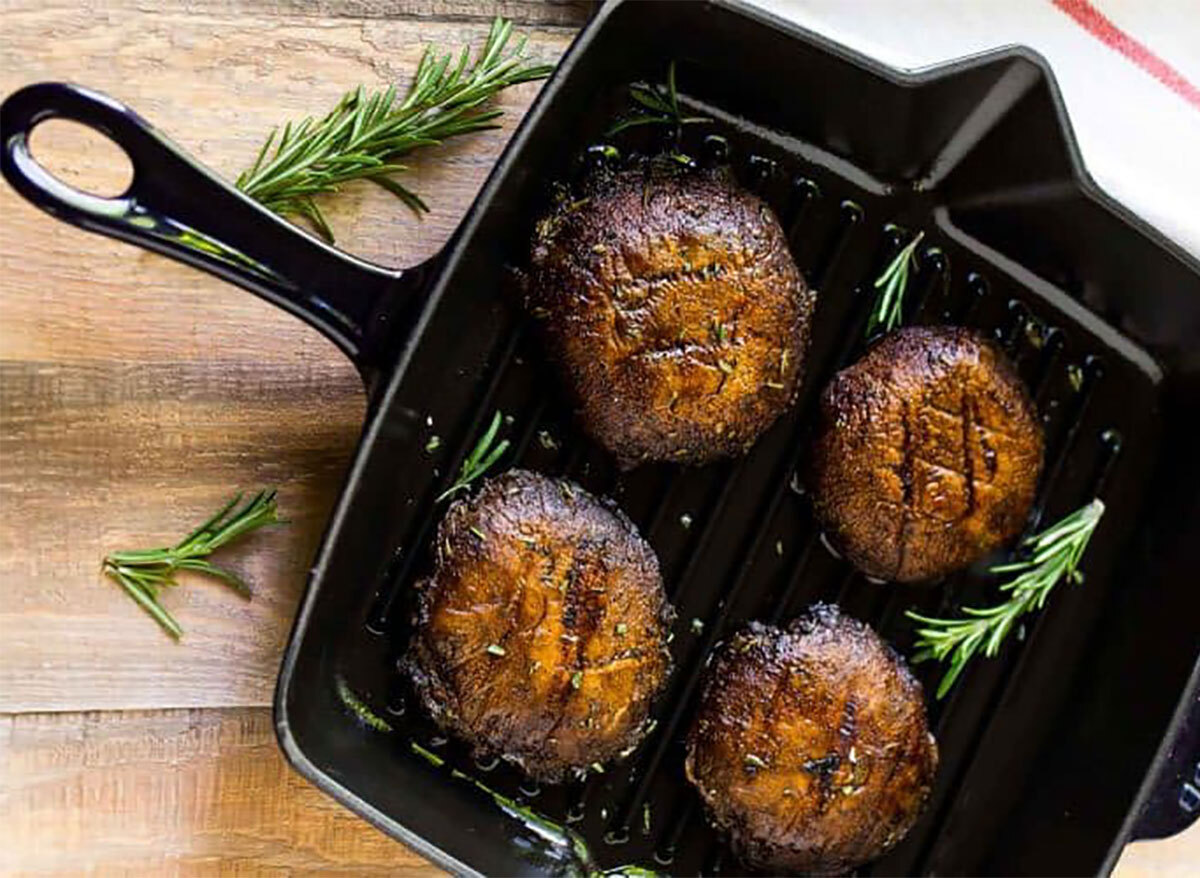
359 707
889 302
144 573
1052 555
365 134
659 105
480 460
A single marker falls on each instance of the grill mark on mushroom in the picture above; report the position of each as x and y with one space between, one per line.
906 476
968 462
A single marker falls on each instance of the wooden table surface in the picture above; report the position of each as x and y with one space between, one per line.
136 394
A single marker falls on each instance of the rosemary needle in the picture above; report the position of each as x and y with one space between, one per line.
892 284
365 134
1052 555
480 460
144 573
657 105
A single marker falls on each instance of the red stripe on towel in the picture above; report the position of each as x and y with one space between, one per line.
1102 28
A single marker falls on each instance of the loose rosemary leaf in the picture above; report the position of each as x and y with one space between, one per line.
485 453
143 573
662 104
368 131
1050 556
892 285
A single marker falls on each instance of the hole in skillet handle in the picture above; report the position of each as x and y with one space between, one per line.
173 206
79 156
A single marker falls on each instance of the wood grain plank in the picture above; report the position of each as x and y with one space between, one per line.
216 83
570 14
136 394
206 792
1176 857
179 792
101 456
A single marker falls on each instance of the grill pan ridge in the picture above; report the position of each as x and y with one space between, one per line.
1048 751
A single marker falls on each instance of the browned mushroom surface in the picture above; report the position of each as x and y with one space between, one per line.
541 636
810 747
671 302
927 454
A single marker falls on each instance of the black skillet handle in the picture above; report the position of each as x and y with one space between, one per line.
1173 802
175 207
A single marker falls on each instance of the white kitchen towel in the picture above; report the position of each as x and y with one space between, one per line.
1129 71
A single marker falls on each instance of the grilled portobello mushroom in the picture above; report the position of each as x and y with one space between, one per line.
541 636
670 300
810 747
927 454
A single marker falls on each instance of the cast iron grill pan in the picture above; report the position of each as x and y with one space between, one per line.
736 539
1041 759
